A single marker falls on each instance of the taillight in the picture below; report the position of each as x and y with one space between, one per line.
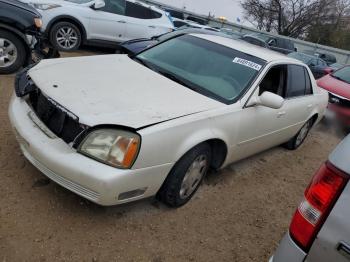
319 199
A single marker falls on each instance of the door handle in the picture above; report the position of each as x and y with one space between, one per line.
151 26
310 106
121 21
280 114
344 249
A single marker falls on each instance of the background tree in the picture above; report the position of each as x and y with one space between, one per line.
286 17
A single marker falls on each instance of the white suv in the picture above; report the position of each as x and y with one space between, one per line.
71 23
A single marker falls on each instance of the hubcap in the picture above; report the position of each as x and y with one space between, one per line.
194 175
8 53
302 134
67 37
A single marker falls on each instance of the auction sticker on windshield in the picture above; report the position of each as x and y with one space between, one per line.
247 63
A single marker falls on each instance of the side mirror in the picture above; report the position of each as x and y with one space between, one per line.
267 99
98 4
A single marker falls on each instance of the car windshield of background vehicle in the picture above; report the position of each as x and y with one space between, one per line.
343 74
208 68
301 57
79 1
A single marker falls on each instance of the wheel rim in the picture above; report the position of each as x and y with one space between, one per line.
193 176
8 53
67 37
303 133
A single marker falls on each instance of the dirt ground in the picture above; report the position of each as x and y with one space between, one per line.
239 214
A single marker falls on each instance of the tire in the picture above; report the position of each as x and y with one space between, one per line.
299 138
13 53
65 36
181 184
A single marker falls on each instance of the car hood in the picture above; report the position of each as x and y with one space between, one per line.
334 86
22 5
114 89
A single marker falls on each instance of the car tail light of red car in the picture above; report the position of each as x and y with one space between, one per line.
319 199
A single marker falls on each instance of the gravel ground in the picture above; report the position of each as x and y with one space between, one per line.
239 214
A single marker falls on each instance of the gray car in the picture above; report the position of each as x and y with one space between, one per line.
320 228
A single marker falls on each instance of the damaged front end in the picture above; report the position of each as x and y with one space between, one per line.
60 121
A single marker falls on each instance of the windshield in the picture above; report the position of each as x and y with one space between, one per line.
204 66
343 74
301 57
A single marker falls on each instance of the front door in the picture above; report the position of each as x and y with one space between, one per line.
261 127
108 23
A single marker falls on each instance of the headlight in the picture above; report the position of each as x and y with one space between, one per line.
45 6
113 147
38 22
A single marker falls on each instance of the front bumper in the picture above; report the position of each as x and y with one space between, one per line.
86 177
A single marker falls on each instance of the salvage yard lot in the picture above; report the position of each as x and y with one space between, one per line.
240 214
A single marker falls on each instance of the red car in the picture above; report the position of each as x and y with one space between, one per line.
338 86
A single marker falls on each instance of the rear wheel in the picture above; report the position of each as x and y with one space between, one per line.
65 36
299 138
186 176
12 52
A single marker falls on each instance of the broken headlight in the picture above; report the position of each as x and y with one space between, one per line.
117 148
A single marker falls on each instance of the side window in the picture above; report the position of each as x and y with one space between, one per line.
313 62
179 23
296 84
274 81
322 62
141 12
254 41
114 6
308 85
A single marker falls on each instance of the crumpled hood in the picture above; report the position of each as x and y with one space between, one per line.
114 89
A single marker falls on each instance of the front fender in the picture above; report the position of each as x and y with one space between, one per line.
167 142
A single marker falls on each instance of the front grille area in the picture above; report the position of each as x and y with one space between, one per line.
60 121
338 101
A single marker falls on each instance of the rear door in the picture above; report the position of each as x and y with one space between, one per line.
108 23
141 21
299 99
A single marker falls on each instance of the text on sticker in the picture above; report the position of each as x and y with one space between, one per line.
247 63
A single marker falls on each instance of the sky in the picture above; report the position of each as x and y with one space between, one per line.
231 9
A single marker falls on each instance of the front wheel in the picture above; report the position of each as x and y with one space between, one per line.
299 138
65 36
13 53
186 176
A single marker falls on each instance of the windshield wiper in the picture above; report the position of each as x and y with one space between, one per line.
177 80
143 62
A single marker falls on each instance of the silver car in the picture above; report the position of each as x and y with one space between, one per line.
320 228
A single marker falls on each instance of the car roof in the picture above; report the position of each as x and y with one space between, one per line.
260 52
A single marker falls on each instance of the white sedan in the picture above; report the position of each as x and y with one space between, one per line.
71 23
115 128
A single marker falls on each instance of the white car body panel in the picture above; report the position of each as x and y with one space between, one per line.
101 25
170 118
